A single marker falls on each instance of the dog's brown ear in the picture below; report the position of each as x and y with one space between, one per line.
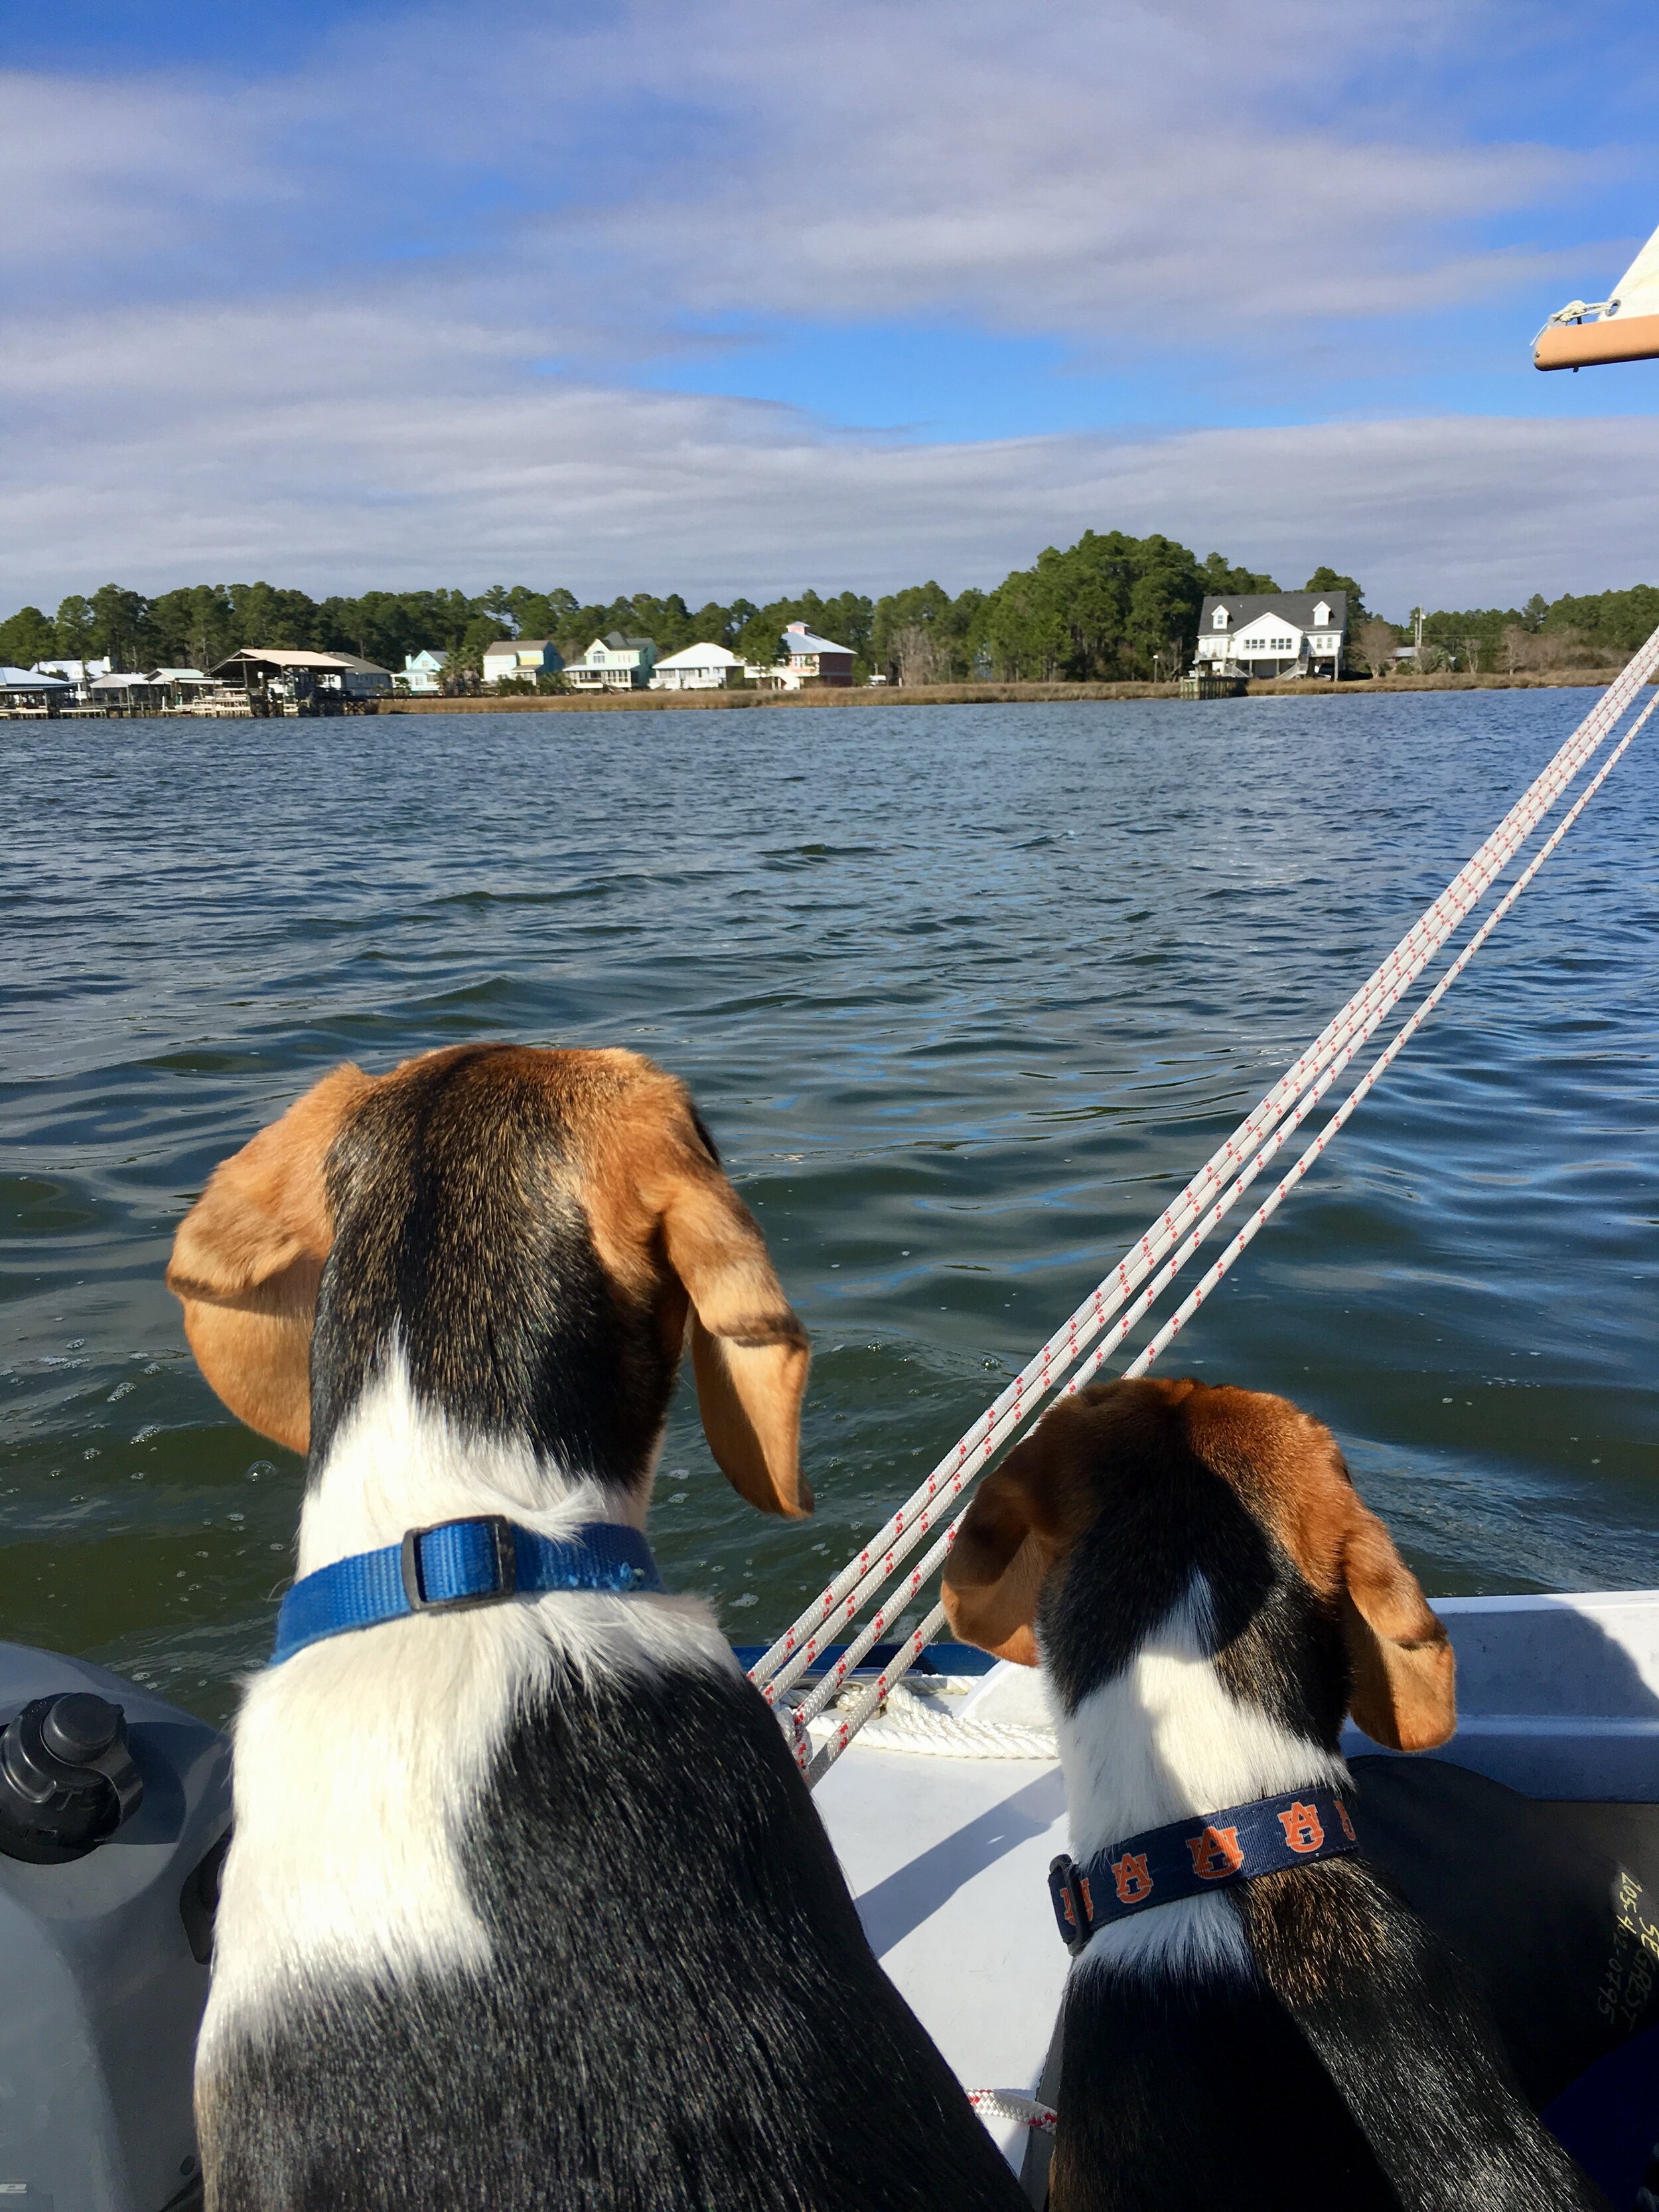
1005 1548
749 1353
248 1257
1404 1675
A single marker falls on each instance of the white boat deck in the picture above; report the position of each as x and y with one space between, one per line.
948 1861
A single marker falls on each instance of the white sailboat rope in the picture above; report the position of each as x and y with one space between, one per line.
1014 2105
1171 1240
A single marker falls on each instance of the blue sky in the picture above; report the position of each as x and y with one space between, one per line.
719 297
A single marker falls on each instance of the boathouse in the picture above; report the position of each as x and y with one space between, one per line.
24 692
281 680
1272 634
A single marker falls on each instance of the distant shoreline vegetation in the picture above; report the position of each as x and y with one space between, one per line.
1108 609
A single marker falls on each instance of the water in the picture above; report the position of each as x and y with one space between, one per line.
965 994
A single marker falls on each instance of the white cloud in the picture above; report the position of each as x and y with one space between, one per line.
1119 171
102 178
1131 172
221 448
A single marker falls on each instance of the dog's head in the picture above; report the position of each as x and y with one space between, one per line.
529 1231
1129 1497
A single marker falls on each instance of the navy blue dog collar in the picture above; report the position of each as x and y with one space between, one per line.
1204 1851
454 1565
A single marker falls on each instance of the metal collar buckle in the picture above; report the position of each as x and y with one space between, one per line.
505 1562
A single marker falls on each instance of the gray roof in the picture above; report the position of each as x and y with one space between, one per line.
619 643
1295 607
798 641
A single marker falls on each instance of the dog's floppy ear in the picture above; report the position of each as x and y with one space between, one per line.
749 1353
1004 1549
248 1257
1404 1675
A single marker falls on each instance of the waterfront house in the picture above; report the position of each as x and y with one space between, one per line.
808 659
614 663
1272 634
698 668
424 673
281 680
518 659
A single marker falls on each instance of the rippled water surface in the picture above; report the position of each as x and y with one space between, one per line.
966 994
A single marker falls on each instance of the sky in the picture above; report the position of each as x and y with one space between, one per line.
719 297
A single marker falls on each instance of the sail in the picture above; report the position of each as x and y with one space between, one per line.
1623 327
1637 292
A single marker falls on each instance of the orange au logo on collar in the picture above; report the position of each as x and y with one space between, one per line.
1216 1853
1347 1825
1303 1829
1134 1885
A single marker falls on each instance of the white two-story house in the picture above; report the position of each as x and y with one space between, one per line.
614 663
1272 634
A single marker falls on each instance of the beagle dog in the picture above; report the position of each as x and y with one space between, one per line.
1254 2017
527 1903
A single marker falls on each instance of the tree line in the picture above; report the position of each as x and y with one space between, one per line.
1590 630
1110 607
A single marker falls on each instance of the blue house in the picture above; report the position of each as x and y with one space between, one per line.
423 671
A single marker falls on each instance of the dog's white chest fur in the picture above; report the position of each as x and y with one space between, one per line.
361 1763
1161 1740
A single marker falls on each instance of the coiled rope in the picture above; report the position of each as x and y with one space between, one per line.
924 1727
1165 1248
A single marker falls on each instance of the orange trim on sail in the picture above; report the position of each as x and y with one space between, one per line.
1583 345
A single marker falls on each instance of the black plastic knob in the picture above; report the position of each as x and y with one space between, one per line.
68 1779
78 1726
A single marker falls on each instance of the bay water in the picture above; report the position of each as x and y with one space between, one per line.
965 995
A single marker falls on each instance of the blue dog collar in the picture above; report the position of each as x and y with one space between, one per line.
455 1564
1207 1852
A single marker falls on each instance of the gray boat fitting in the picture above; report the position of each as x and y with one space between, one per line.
105 1929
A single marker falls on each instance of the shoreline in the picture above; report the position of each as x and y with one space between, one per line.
977 694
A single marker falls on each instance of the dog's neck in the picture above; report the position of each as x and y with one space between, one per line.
395 1464
1166 1738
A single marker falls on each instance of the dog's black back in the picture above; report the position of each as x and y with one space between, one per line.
650 2048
